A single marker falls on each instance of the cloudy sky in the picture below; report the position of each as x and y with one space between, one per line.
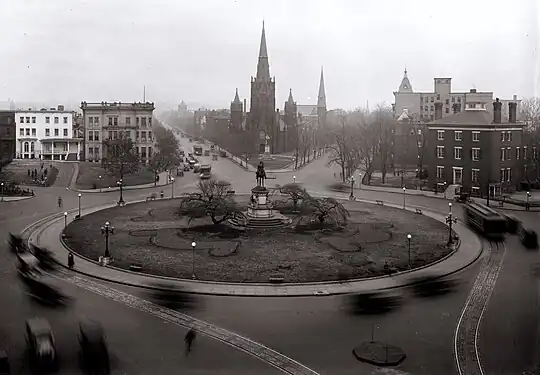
65 51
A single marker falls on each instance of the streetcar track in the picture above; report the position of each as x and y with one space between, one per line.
467 331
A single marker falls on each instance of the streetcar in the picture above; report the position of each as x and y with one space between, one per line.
197 150
486 221
206 172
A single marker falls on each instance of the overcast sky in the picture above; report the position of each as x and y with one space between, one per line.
66 51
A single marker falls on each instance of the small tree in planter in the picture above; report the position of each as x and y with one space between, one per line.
295 193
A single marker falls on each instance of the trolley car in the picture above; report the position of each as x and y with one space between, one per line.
486 221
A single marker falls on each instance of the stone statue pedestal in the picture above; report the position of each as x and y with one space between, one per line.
261 207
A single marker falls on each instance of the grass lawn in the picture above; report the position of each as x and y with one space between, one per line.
273 162
17 172
89 173
154 235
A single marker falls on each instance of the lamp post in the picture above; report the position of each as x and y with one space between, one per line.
528 201
99 177
80 195
352 188
65 220
404 190
107 230
416 178
445 190
121 200
409 240
193 276
450 219
172 187
360 180
2 188
294 179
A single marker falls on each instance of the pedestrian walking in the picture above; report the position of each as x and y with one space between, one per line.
71 260
59 202
189 339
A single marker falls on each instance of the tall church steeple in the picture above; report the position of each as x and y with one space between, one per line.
263 67
321 100
405 83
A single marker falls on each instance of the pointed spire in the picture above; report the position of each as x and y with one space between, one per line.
263 68
405 85
237 98
290 100
321 100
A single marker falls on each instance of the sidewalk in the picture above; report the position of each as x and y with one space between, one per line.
163 181
16 199
48 234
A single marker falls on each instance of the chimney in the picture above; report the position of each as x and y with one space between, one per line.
473 91
245 106
514 97
497 106
512 112
60 107
438 111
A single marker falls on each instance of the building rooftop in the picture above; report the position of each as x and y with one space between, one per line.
118 105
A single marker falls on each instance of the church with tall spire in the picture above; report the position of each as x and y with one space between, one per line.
264 129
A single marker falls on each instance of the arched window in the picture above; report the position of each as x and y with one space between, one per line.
26 147
32 147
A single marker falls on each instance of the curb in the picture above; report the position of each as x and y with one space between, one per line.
25 198
127 283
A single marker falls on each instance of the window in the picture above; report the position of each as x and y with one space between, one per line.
56 120
128 121
457 153
438 96
34 131
115 121
458 135
518 153
47 120
65 132
503 154
447 110
143 122
509 153
506 174
440 135
524 152
475 190
21 120
21 132
431 108
476 136
47 132
440 173
475 176
96 135
33 120
425 108
28 120
65 120
475 154
459 99
56 132
509 136
150 138
28 132
110 121
150 125
432 99
453 99
447 101
91 120
136 121
96 120
90 135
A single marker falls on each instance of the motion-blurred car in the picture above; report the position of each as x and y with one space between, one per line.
432 285
44 289
528 238
168 295
378 302
94 351
40 341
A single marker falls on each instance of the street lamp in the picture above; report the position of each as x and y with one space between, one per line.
65 220
172 187
404 190
99 177
450 219
107 230
193 244
2 188
527 208
360 180
352 188
445 190
80 195
121 200
409 240
294 179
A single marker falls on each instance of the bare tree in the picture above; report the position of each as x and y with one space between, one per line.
339 145
530 112
295 194
122 158
382 119
325 209
212 200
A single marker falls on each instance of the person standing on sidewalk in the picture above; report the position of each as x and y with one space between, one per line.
71 260
189 339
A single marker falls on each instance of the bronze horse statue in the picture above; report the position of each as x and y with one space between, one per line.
260 174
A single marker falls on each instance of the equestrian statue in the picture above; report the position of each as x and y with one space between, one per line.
260 174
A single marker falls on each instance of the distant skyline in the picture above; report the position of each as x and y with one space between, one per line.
67 51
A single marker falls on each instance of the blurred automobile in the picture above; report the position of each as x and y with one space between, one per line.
94 351
196 168
45 258
378 302
432 285
41 344
44 289
170 296
16 244
528 238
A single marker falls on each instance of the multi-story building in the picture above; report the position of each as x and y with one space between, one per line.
477 150
104 121
7 137
46 134
422 105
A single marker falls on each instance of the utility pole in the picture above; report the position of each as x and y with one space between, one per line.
144 94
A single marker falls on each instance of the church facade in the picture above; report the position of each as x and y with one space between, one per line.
266 129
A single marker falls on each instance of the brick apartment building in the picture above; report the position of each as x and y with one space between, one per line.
476 150
7 137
